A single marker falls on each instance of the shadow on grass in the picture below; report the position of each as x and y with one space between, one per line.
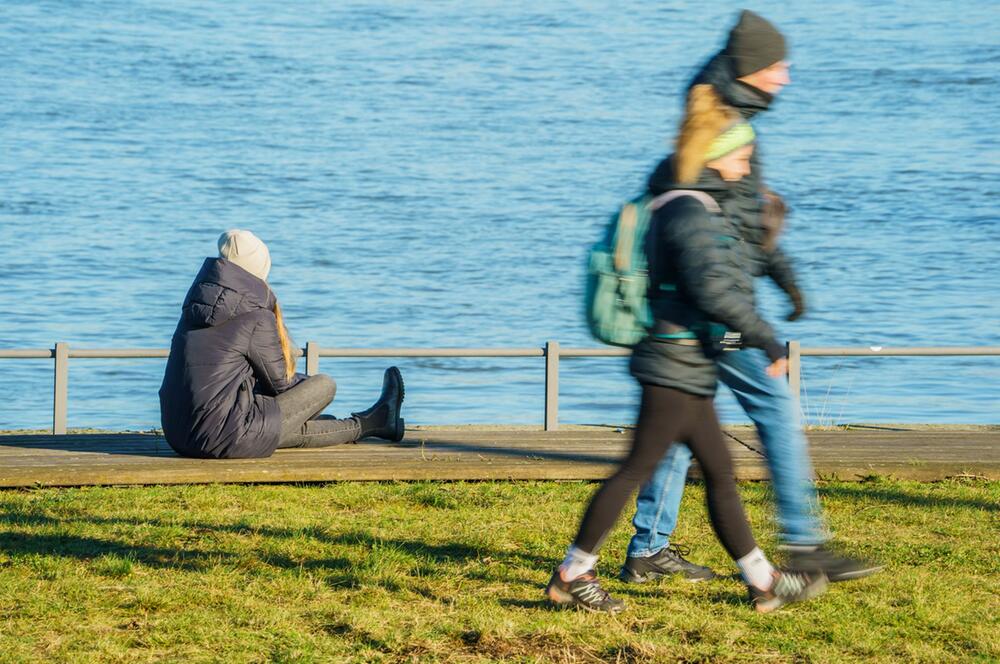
376 565
427 558
435 553
88 548
636 598
873 491
394 562
436 559
533 604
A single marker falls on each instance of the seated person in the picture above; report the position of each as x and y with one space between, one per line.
230 390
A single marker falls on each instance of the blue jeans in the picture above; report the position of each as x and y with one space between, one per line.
768 402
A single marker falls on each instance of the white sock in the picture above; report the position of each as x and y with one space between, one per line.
756 569
576 563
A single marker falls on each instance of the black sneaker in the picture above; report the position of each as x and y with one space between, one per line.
583 592
788 587
664 562
836 566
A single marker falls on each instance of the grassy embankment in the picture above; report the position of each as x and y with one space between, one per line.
454 572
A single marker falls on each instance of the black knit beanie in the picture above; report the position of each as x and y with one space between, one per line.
754 44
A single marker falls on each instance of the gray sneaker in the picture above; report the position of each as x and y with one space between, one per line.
664 562
788 587
583 592
835 565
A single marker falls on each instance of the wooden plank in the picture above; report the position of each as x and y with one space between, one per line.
469 453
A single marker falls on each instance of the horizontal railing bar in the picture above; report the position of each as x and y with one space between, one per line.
594 352
111 353
915 351
27 353
431 352
551 351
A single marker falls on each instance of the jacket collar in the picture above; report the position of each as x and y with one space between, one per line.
718 72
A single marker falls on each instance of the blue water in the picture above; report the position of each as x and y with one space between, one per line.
431 174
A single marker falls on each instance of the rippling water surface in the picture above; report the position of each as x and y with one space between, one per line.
431 174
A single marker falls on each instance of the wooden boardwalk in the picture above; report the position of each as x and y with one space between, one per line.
482 453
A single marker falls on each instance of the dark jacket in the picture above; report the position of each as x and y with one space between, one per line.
743 206
225 368
699 274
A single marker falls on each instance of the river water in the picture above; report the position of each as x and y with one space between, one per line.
431 174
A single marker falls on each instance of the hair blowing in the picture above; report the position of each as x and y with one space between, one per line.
286 342
773 214
705 117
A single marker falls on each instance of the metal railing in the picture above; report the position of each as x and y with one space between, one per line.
551 351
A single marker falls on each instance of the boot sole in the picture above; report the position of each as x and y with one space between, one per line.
401 426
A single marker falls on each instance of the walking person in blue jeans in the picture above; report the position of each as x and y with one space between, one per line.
769 404
747 74
700 286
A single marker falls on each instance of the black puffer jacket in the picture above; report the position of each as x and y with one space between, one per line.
225 368
744 205
698 272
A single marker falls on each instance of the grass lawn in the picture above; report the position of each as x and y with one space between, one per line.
382 572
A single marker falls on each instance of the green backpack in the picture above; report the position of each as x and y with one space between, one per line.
617 305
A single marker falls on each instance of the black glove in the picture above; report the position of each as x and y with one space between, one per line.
798 304
776 350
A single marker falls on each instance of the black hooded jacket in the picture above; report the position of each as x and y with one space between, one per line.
698 274
743 206
225 368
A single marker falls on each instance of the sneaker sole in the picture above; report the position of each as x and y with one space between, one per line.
856 574
815 589
563 600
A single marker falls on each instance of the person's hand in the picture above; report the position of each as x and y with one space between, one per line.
779 368
798 304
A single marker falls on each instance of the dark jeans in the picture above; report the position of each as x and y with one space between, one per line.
301 422
667 415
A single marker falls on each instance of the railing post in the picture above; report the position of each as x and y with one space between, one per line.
60 394
795 371
551 385
312 358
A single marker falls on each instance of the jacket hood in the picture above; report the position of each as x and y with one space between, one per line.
720 74
662 180
222 291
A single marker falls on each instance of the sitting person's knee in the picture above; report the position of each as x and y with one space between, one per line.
325 383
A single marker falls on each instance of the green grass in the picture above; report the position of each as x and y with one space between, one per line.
454 573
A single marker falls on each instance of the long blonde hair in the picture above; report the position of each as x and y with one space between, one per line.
705 117
287 350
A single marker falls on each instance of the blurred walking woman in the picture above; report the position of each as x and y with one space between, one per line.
230 388
700 287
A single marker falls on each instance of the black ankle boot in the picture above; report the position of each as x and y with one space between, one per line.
382 420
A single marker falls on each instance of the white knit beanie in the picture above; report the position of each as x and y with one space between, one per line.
246 250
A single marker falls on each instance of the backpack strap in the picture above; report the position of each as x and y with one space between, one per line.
702 197
623 242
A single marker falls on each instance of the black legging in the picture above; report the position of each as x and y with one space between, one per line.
667 415
301 422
